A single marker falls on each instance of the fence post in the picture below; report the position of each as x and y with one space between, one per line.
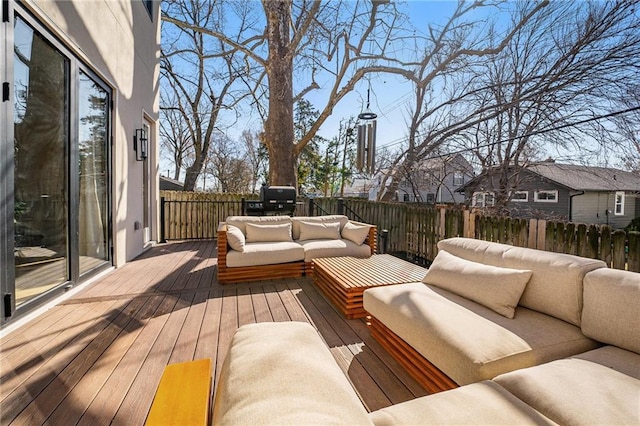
384 237
243 205
340 206
311 204
162 224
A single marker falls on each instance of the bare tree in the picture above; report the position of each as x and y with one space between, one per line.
256 156
175 139
345 40
444 80
200 75
558 74
228 165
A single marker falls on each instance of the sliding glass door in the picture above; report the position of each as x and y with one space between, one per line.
59 167
93 213
41 134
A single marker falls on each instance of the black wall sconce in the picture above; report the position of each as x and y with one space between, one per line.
141 144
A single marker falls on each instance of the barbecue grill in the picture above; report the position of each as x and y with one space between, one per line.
278 199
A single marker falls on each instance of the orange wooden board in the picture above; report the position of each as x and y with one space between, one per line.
183 395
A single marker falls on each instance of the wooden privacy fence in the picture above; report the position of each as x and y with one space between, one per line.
196 215
412 229
416 231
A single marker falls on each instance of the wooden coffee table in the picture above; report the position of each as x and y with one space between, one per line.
344 279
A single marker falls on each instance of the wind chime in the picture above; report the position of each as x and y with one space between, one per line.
366 152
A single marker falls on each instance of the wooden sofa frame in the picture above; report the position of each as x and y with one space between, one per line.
423 371
227 275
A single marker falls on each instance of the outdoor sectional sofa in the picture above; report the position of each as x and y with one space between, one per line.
483 309
283 373
263 247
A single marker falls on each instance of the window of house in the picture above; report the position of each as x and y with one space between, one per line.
619 203
520 196
545 196
458 178
431 198
483 199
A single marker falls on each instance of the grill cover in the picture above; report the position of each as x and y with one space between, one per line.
278 198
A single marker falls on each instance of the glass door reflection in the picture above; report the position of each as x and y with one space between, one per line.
41 129
93 212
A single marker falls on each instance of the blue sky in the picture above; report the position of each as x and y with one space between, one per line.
390 96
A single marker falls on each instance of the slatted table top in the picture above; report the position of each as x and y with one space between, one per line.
353 273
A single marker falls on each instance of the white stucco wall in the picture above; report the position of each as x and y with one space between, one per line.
121 43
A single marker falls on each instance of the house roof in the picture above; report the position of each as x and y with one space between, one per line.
586 178
167 183
577 178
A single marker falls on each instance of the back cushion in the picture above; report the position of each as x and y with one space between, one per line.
555 287
611 311
316 219
241 221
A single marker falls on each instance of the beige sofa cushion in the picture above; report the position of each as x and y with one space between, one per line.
611 312
314 249
467 341
268 233
555 287
241 221
355 233
295 222
499 289
283 374
318 231
235 238
483 403
576 391
626 362
255 254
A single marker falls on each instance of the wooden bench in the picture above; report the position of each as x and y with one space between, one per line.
183 396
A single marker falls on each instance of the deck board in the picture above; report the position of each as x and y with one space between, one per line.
97 358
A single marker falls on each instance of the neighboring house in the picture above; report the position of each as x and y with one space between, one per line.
433 181
79 83
168 184
592 195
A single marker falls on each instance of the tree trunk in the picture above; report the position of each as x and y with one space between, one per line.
278 133
192 174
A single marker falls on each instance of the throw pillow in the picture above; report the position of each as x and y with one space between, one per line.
319 231
498 289
268 233
355 233
235 238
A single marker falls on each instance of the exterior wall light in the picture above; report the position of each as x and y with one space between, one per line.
141 144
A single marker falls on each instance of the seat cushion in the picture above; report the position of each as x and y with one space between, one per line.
283 374
626 362
265 254
611 312
477 404
467 341
555 287
576 391
314 249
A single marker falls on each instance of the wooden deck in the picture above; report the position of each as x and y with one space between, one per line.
97 358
